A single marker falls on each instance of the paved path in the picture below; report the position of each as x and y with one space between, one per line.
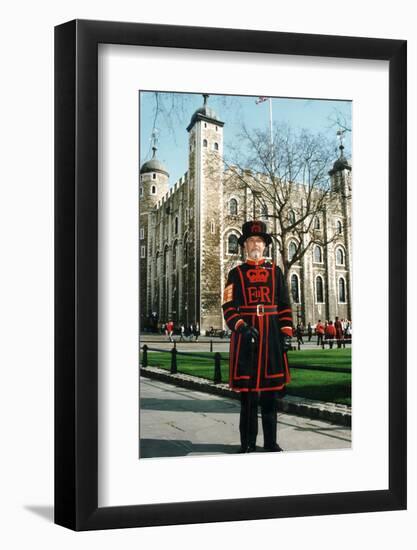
176 421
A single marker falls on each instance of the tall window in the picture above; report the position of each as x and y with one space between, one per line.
165 260
154 176
291 217
233 207
176 226
339 227
212 227
316 223
294 289
232 245
340 257
204 143
318 257
142 252
174 255
153 190
264 212
319 290
292 250
185 245
216 146
142 233
342 290
141 191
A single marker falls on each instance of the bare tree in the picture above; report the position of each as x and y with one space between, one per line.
289 181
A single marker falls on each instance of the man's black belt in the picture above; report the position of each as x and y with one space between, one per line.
259 309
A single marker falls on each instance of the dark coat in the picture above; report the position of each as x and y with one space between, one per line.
256 294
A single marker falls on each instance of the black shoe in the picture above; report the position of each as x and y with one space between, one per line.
248 449
273 449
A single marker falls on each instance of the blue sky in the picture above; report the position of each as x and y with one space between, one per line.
314 115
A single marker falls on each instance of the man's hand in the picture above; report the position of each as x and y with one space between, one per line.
250 334
286 343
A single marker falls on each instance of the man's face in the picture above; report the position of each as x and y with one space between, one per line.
254 248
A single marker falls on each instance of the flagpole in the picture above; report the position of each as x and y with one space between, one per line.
270 123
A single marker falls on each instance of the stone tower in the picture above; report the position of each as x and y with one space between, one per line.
153 185
206 197
341 179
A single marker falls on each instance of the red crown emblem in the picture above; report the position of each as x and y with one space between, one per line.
257 275
256 228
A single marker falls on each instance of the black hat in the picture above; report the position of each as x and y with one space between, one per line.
254 228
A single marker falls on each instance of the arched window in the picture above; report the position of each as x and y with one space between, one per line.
233 207
176 226
342 290
264 212
185 250
141 191
319 290
216 146
174 255
340 257
318 256
232 244
153 190
165 260
292 250
316 223
154 176
339 227
294 289
204 143
291 217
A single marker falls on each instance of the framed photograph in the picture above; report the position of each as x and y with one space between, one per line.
186 157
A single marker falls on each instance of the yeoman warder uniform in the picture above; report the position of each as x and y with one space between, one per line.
257 310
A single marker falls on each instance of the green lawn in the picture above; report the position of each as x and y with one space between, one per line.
320 385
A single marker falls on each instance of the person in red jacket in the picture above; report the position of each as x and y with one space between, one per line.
330 333
257 310
319 332
339 332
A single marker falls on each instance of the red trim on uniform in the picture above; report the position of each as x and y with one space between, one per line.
284 311
255 262
273 283
232 317
287 369
269 376
287 331
261 335
235 376
243 284
229 309
238 323
285 319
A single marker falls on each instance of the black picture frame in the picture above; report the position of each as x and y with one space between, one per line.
76 272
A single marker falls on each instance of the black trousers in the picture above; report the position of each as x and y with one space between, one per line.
248 424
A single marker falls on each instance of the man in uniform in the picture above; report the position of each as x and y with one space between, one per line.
257 310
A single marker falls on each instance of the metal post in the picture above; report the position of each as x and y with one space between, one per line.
211 346
145 356
174 360
217 368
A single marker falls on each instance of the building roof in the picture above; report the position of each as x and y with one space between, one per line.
153 165
204 113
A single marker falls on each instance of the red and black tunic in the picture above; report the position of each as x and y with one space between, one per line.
256 294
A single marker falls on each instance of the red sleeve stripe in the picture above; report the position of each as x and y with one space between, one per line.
229 309
232 317
284 311
238 323
287 331
285 319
